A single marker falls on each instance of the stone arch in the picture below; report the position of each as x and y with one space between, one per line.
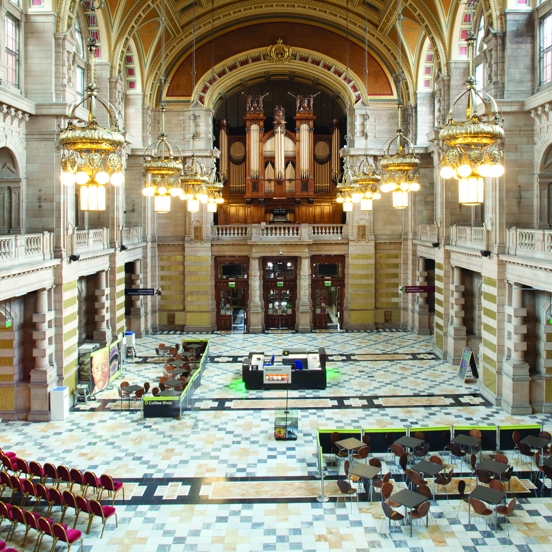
11 203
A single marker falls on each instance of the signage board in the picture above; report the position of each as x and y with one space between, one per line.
417 289
467 360
328 284
143 291
231 284
279 284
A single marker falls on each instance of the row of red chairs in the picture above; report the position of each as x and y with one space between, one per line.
58 474
4 547
54 497
42 525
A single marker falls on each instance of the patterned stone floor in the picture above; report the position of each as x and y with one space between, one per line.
216 480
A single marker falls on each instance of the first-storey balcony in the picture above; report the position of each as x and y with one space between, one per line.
25 249
274 233
531 244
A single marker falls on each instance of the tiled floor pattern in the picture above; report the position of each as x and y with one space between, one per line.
171 467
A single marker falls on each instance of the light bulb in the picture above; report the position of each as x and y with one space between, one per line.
81 178
404 186
377 195
447 172
211 207
67 178
148 191
193 205
348 206
365 204
117 178
356 197
176 192
497 170
102 178
162 190
339 199
464 170
415 186
484 169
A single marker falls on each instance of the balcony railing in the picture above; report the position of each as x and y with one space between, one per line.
471 237
530 243
26 248
428 233
91 240
132 235
276 232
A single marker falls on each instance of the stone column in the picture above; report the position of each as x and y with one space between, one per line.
457 330
515 371
136 311
101 334
421 312
304 310
43 374
256 322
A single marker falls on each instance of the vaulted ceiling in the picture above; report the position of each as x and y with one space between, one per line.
222 27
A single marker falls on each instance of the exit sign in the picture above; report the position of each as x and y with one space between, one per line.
9 322
279 284
231 284
328 284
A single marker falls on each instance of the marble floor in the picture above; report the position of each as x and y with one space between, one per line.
216 480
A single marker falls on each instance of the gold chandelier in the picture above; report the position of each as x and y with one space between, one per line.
194 181
473 147
346 187
160 164
367 182
161 168
399 174
92 155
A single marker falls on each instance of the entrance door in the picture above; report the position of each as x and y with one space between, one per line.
327 307
280 308
231 304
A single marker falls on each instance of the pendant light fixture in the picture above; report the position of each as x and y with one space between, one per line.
473 147
399 168
161 165
92 155
194 178
366 179
347 192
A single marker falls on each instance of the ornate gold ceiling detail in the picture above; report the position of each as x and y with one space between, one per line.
279 52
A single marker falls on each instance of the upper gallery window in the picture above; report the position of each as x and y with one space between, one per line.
546 49
11 32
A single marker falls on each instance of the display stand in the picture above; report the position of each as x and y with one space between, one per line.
285 421
467 360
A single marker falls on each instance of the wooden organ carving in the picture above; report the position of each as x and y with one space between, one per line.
275 171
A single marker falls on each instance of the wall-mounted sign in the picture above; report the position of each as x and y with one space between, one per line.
231 284
143 291
328 284
279 284
417 289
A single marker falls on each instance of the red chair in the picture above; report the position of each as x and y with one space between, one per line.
7 453
23 467
65 475
83 505
37 471
31 521
16 487
5 512
17 517
70 500
28 489
45 526
43 493
78 478
5 482
105 512
109 484
51 472
93 481
10 464
57 498
68 536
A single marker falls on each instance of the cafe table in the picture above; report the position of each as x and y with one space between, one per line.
350 445
535 442
490 496
177 363
172 382
365 471
547 461
168 393
178 371
131 388
409 442
466 441
494 467
408 499
428 468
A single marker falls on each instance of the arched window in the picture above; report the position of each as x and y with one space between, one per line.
80 61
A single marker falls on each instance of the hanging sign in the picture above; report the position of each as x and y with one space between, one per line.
231 284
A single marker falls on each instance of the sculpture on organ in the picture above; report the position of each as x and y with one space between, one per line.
254 104
304 103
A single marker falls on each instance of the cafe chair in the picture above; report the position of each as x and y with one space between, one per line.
506 511
155 391
123 395
298 364
479 508
463 497
545 435
496 485
361 454
366 439
516 436
270 362
506 477
112 486
443 480
390 514
476 434
424 490
421 512
353 478
403 463
416 479
446 439
104 512
421 452
162 386
538 466
386 492
483 476
455 450
500 457
397 450
379 482
68 536
346 490
389 440
436 460
147 387
419 435
527 452
547 470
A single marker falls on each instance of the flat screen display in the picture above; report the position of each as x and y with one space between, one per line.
327 270
231 270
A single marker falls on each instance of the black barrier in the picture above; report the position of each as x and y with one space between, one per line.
488 435
506 434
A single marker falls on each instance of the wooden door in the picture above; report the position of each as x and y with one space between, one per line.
280 306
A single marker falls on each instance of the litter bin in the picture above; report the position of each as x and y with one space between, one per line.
130 339
59 404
